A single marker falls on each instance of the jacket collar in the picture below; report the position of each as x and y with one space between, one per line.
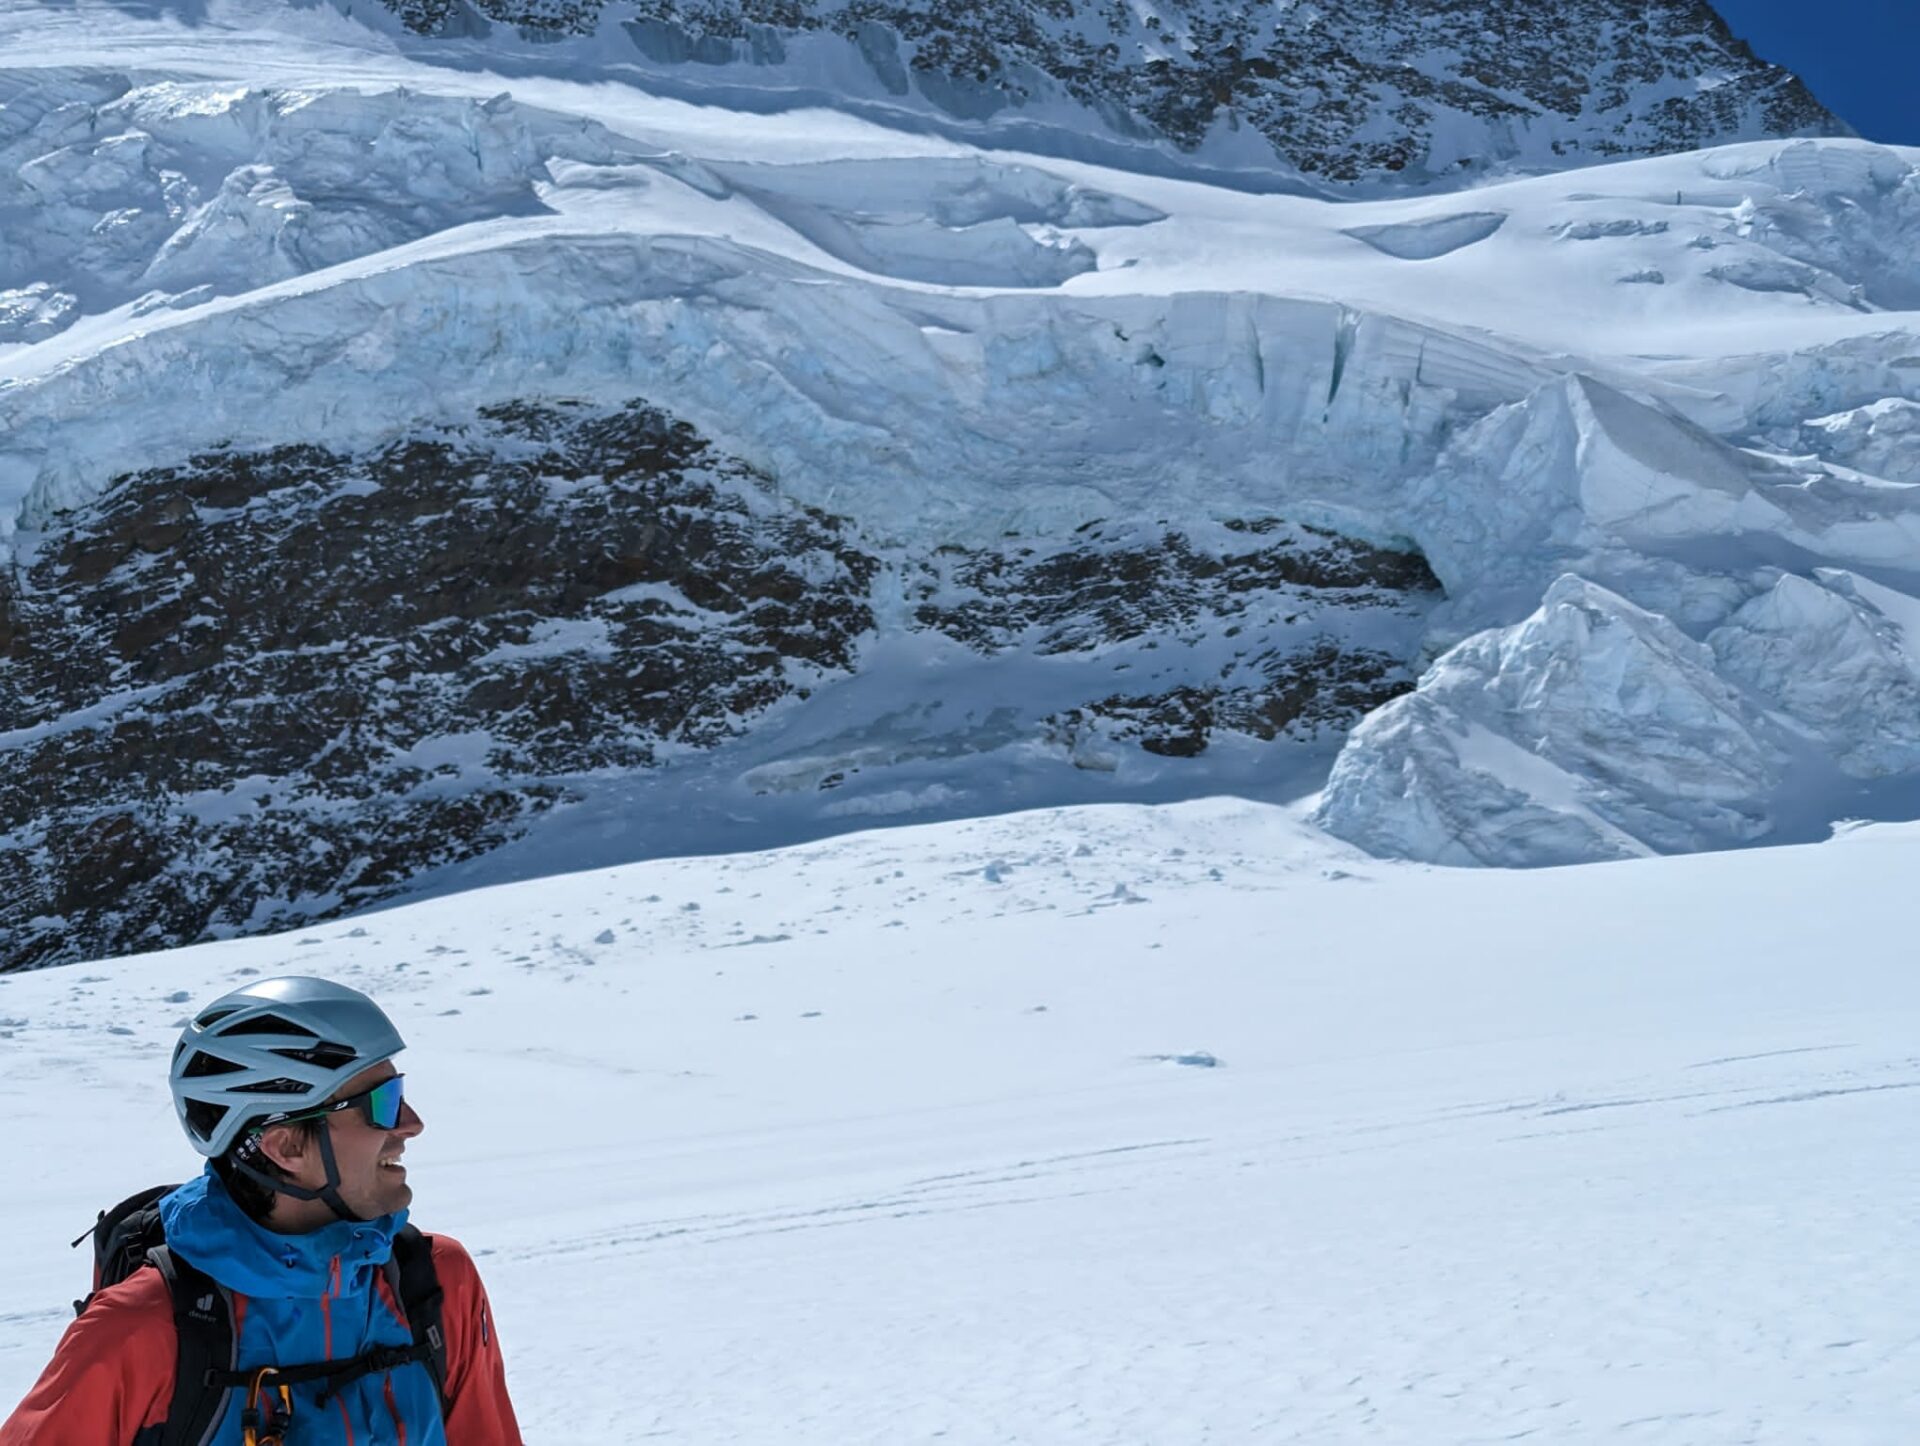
212 1233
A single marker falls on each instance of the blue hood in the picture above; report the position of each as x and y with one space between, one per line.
211 1232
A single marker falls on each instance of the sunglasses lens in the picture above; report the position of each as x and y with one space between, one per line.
383 1104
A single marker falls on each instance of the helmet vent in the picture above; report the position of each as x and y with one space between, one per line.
273 1048
203 1119
322 1055
204 1064
269 1024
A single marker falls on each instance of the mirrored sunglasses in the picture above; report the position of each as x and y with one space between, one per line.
380 1105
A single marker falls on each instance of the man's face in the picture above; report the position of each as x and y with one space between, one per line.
372 1181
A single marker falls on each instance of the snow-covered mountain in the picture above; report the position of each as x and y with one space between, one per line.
658 508
432 460
1367 91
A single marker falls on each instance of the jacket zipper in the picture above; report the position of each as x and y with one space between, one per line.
393 1407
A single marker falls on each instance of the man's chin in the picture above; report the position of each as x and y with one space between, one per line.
391 1196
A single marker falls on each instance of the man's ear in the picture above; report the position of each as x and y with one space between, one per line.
286 1145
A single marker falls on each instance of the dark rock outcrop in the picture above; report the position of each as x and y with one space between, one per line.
266 688
1114 584
1320 688
261 688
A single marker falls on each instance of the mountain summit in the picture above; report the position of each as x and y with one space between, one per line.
1363 91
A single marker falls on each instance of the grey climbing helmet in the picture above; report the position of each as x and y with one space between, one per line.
273 1046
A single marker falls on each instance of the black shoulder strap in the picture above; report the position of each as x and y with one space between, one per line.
416 1285
121 1238
207 1360
203 1329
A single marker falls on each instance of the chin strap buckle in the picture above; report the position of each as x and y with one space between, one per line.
268 1410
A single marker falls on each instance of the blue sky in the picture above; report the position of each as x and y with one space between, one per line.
1858 55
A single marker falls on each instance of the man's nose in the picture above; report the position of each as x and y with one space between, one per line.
410 1122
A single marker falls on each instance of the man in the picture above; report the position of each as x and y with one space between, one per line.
288 1088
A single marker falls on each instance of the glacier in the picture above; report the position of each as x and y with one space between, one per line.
1667 409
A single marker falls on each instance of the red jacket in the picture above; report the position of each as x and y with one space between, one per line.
112 1374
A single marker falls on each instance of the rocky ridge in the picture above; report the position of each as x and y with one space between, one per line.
1365 91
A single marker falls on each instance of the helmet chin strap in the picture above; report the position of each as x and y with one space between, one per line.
329 1192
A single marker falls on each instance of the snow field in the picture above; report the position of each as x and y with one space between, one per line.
876 1139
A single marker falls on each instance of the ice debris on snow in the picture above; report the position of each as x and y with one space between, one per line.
1836 655
1592 730
954 222
1882 437
120 189
1429 239
34 312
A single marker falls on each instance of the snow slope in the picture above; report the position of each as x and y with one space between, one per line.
1109 1125
1679 381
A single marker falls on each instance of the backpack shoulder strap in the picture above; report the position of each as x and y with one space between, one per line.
416 1285
203 1326
121 1238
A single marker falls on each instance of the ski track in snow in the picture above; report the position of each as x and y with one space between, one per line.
1590 1154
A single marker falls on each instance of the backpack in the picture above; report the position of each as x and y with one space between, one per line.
130 1236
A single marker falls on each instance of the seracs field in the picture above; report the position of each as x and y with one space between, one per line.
430 476
1015 783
